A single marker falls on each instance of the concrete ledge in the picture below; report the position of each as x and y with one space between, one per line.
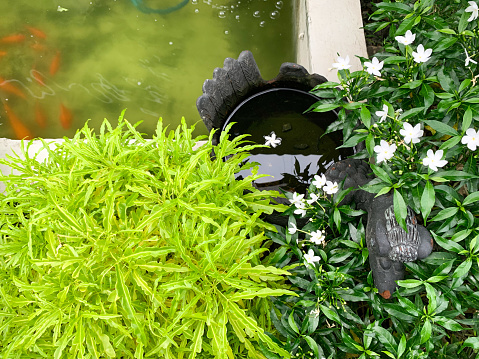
326 28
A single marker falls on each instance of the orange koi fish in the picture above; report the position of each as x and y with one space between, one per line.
40 116
12 39
38 47
36 32
66 117
37 76
21 131
8 87
55 64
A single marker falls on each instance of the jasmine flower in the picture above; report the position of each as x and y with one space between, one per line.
342 64
474 9
292 229
319 181
411 133
272 140
421 55
330 187
317 237
313 199
407 39
382 114
297 199
471 139
373 67
385 151
433 160
311 258
468 59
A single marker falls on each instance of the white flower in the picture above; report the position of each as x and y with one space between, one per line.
474 9
297 198
411 133
272 140
317 237
421 55
292 229
382 114
407 39
319 181
373 67
433 160
468 59
301 211
342 64
311 258
313 198
471 139
385 151
330 187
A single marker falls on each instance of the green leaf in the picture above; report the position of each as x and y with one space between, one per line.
325 107
472 198
444 44
445 214
426 331
447 31
409 283
428 94
125 299
411 85
467 119
365 116
472 100
386 338
412 112
400 209
382 174
402 346
463 268
442 127
427 200
330 313
399 7
407 24
447 244
393 60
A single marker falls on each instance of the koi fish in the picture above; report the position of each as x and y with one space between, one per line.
36 32
3 53
40 116
55 64
8 87
21 131
38 47
37 76
12 39
66 117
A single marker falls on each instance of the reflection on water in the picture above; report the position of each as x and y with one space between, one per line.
304 150
64 62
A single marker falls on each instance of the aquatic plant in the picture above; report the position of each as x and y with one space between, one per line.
415 106
117 246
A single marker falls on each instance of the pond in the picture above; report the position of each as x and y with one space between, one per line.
64 62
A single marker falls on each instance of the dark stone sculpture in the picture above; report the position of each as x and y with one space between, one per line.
241 79
389 245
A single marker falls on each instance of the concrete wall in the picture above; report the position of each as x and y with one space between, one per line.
326 28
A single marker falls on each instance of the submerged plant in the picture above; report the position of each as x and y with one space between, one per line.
121 247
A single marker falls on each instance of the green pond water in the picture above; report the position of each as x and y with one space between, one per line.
94 58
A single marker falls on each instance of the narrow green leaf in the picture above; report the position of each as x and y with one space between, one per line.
365 116
426 331
427 200
400 209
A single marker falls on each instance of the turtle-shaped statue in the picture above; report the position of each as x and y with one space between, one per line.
389 245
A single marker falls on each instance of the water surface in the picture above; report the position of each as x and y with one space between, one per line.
93 58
